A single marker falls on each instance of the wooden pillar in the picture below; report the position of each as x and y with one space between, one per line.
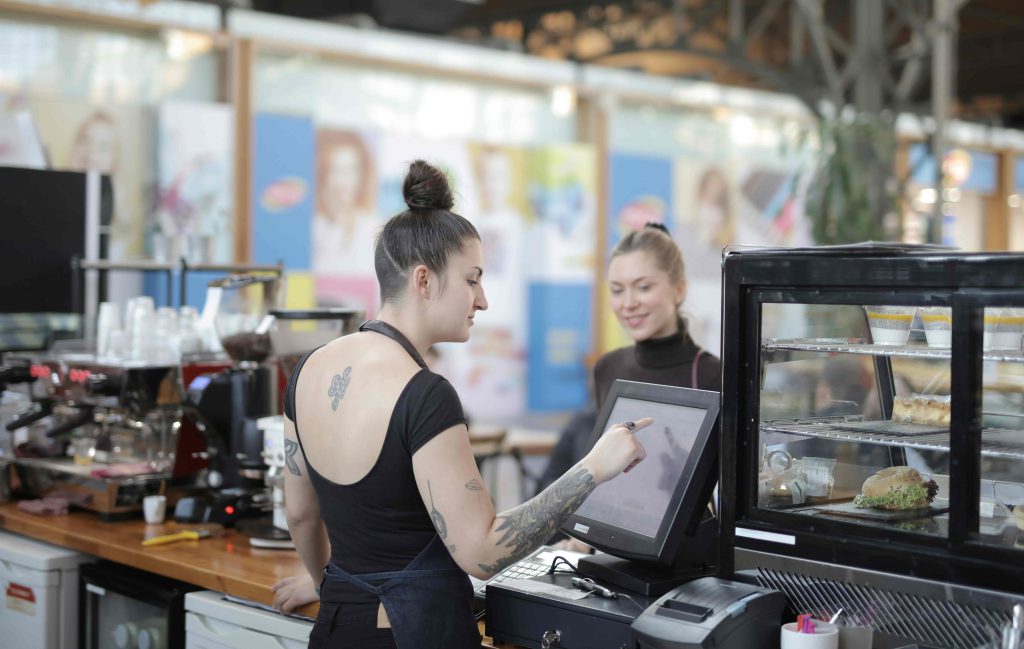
997 210
241 100
592 127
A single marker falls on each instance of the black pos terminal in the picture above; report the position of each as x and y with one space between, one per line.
651 582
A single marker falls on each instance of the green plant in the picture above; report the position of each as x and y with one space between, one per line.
855 193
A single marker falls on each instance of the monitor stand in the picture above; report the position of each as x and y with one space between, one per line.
697 557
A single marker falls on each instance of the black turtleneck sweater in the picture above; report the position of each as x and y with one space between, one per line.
666 361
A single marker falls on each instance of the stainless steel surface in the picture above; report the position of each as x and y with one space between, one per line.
839 346
995 442
899 607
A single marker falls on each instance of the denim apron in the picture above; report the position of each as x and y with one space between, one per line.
430 601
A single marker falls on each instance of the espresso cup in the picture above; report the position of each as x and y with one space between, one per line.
154 508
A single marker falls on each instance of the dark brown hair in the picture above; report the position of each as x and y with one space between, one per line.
427 233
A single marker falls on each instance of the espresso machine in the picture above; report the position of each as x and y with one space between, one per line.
225 405
101 434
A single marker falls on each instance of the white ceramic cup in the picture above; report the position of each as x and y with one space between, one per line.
154 508
825 636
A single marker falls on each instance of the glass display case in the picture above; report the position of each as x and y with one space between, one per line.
873 415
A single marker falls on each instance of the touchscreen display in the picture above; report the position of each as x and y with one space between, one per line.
637 501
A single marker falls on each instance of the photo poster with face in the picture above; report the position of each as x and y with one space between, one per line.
284 148
563 198
499 175
195 183
346 215
560 341
705 222
639 192
489 370
113 140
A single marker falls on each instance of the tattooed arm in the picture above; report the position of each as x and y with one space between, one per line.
482 542
304 523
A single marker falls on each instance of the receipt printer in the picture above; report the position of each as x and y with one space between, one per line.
712 613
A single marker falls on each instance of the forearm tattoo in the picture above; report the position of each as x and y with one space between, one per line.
290 448
338 386
474 485
532 523
436 517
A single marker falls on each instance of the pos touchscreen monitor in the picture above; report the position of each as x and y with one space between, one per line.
653 519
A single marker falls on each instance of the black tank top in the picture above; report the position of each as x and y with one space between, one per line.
379 523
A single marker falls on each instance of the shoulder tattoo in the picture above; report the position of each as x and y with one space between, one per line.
290 448
338 386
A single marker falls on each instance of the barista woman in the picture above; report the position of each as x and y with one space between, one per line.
382 486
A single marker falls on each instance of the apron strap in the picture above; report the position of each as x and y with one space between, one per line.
693 370
385 329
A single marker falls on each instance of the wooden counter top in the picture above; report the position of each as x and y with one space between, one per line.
227 564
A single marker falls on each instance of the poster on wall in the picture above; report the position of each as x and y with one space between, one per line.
640 192
20 145
563 199
560 340
345 213
499 175
705 222
113 140
396 152
350 292
194 183
282 201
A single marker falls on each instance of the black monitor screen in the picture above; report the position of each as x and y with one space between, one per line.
646 513
637 501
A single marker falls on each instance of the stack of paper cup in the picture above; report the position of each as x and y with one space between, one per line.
107 320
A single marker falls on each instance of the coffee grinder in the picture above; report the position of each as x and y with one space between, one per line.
226 405
293 333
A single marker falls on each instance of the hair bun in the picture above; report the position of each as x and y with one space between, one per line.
426 188
654 225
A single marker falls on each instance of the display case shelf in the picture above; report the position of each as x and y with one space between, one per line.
995 442
858 346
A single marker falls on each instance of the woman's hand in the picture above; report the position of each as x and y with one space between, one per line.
617 451
573 545
294 592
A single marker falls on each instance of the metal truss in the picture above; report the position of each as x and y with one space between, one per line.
873 54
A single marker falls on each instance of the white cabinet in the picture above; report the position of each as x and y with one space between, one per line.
40 588
211 622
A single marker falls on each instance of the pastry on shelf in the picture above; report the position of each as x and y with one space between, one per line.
932 410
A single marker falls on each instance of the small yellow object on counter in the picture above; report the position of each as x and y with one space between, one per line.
186 535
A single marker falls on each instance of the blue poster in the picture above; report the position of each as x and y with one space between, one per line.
560 338
640 191
282 201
